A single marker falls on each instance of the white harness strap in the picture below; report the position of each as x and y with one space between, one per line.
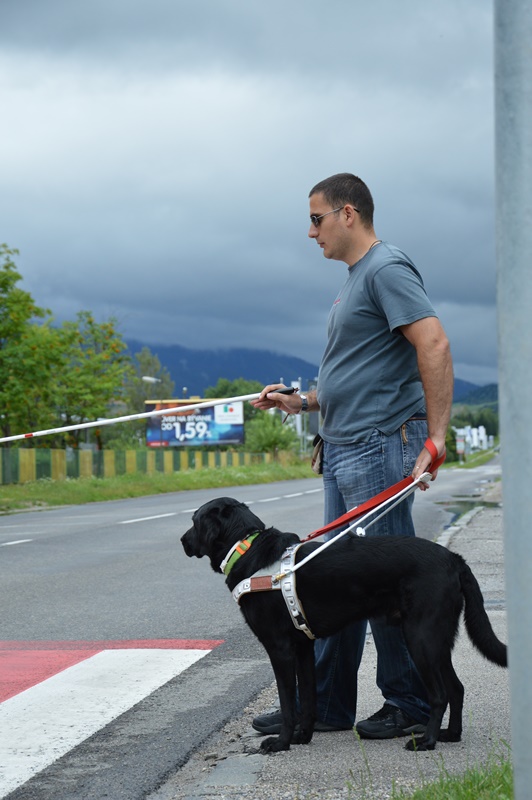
281 576
287 579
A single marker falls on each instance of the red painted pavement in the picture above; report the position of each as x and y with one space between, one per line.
24 664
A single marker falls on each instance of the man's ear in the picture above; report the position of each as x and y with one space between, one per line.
350 214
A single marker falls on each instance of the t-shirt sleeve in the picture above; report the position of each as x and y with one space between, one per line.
398 291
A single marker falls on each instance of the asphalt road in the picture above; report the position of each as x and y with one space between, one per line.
116 571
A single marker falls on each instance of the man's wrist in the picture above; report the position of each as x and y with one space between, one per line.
304 403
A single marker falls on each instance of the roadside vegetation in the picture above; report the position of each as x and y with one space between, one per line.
47 493
477 459
491 782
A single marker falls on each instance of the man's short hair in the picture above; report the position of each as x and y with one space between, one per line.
347 188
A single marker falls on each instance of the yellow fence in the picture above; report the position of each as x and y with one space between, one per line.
19 465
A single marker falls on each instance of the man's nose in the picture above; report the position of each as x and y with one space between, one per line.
312 231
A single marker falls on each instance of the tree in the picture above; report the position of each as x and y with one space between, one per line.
237 388
137 390
265 433
450 445
30 353
94 375
475 416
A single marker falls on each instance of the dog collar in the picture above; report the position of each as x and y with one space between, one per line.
236 551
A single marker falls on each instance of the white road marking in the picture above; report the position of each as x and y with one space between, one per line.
17 541
147 519
41 724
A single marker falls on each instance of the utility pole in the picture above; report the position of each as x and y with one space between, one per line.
513 135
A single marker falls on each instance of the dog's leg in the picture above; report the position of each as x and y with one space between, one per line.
455 692
306 684
284 666
426 655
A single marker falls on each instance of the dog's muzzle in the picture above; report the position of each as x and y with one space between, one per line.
187 540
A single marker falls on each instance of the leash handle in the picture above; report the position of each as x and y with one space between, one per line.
437 461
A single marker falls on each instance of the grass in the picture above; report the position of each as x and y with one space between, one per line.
490 781
476 459
46 493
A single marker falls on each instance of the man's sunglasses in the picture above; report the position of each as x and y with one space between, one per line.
316 220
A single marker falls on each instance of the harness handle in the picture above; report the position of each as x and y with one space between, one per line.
370 504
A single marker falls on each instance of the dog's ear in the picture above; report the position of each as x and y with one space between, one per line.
238 517
218 525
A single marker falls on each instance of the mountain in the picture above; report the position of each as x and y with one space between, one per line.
463 389
482 395
198 369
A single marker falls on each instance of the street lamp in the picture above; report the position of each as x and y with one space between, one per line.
151 380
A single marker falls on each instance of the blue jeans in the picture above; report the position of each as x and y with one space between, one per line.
353 474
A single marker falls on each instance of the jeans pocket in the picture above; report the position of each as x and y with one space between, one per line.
413 435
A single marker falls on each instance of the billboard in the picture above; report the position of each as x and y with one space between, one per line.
210 425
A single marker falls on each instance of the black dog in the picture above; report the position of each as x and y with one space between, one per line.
413 582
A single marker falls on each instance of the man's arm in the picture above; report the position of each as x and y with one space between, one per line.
436 370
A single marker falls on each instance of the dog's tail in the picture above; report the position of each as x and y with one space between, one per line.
477 622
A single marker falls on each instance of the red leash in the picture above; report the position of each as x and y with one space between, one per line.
373 502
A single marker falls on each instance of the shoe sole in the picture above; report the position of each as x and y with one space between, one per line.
274 730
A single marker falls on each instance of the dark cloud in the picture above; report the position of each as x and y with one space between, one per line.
156 160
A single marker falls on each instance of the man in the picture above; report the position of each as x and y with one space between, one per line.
385 382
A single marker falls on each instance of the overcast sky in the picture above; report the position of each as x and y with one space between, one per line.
156 159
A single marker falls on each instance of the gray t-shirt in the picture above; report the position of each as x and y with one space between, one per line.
368 376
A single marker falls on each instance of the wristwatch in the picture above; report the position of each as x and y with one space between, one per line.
304 403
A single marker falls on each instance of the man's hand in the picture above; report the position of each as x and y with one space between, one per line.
425 459
269 398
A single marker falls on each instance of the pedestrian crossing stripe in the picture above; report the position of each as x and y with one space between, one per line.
26 663
55 695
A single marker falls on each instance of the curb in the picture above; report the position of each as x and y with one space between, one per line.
448 534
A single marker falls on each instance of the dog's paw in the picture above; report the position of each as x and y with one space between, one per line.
302 736
274 744
446 735
420 744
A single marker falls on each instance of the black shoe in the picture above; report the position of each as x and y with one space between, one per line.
270 724
388 723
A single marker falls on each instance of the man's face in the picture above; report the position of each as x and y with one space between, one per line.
330 232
